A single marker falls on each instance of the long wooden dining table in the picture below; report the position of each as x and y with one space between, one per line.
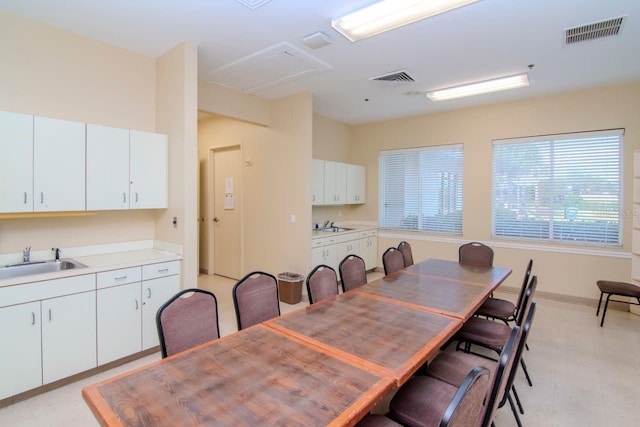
328 363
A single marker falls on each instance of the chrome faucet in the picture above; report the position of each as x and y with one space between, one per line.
26 254
326 223
57 252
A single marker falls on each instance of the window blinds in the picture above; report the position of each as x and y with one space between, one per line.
565 188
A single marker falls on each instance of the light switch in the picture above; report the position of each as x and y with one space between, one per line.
293 219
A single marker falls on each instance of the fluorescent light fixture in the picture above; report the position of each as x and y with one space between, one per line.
478 88
387 15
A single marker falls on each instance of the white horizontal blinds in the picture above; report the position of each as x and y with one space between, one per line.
565 188
421 189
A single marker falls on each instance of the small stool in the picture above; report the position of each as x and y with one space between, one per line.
616 288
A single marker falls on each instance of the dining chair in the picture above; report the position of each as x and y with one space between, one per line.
425 401
322 283
392 260
407 253
255 298
353 272
505 310
186 320
621 289
492 335
475 253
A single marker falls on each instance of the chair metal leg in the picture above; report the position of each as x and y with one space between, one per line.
515 394
526 373
599 303
513 409
604 312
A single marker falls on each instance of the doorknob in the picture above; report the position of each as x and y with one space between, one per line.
216 219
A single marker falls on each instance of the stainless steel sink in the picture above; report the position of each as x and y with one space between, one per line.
38 267
335 229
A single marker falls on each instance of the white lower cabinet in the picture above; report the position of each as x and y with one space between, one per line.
68 332
369 248
324 251
332 250
155 292
20 358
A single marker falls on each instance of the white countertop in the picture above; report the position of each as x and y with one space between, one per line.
315 233
100 262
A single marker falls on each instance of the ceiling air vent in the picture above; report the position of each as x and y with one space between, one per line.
401 76
597 30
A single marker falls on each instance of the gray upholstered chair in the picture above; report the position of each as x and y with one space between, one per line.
186 320
353 272
392 260
322 283
255 298
505 310
407 253
475 253
424 401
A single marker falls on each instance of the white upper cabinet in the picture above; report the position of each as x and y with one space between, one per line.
16 162
355 184
148 170
107 168
335 183
317 191
58 165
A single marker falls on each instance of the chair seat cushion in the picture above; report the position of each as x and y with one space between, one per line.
484 332
421 401
497 308
377 420
453 366
619 288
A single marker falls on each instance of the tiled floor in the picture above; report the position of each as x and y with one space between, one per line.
583 375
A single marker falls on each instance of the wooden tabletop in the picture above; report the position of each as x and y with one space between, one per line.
453 270
384 336
258 377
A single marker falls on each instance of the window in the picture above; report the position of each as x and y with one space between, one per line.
564 188
421 189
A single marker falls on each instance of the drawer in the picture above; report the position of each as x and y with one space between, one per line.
162 269
317 243
118 277
19 294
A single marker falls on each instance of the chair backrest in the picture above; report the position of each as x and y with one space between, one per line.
353 272
527 300
466 407
322 283
392 260
526 327
525 282
255 298
407 253
186 320
475 253
507 357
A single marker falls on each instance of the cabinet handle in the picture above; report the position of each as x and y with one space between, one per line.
25 197
124 197
136 197
148 293
137 304
313 198
41 197
33 318
49 315
164 270
120 278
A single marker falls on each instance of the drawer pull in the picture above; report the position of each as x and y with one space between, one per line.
164 270
33 318
120 278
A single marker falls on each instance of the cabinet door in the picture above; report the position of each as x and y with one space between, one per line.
119 322
317 192
16 162
155 292
58 165
330 197
148 170
107 168
347 248
355 184
68 335
20 358
341 183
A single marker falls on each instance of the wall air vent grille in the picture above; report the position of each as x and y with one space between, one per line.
597 30
401 76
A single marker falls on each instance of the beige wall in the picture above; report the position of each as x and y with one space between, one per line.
566 270
276 185
54 73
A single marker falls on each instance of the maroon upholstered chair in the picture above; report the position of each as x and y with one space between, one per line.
188 319
475 253
616 288
353 272
505 310
322 283
407 253
392 260
428 402
255 298
377 420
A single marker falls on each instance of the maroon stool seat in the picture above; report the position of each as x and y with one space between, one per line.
616 288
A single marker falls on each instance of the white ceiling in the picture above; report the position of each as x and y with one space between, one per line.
487 39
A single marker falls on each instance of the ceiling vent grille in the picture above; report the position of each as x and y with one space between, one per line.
401 76
597 30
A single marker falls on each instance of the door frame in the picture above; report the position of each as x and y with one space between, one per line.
211 206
